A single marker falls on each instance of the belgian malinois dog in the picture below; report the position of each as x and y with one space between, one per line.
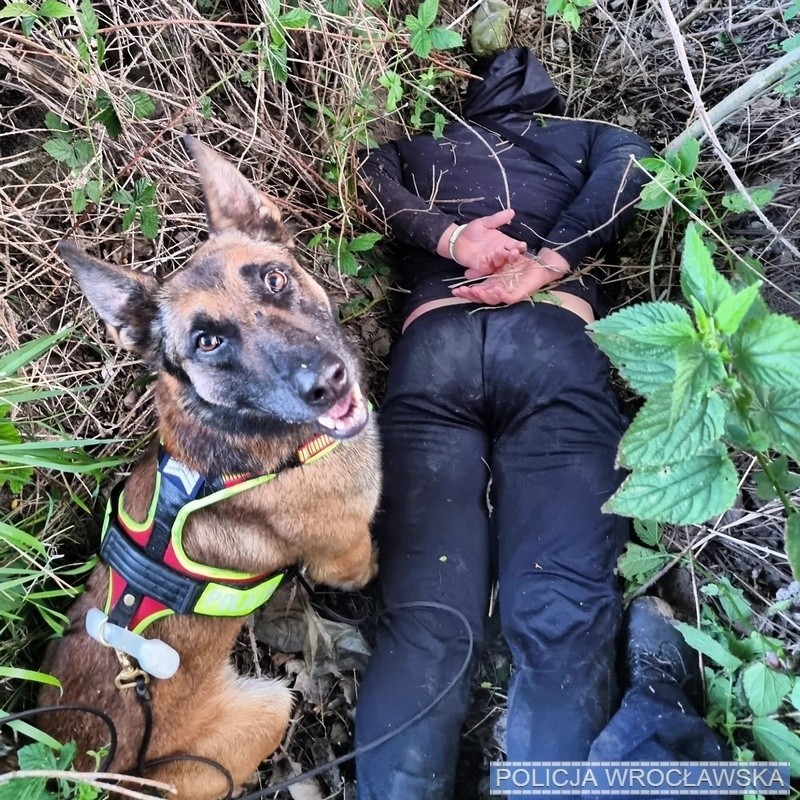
250 364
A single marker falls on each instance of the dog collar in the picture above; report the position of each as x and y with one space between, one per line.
150 574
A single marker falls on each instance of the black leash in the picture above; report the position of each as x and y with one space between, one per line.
143 695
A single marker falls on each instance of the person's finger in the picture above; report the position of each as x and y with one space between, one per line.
498 219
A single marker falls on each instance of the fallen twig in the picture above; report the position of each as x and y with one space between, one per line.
708 127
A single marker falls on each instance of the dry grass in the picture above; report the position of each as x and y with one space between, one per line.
620 67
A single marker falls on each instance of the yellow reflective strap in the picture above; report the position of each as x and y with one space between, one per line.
132 524
221 600
204 570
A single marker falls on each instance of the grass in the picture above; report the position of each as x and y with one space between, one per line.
93 101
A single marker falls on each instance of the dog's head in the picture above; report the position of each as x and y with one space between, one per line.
247 338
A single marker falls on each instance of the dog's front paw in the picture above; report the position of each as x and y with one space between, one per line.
353 571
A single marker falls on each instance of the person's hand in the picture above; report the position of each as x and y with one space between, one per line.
480 247
516 281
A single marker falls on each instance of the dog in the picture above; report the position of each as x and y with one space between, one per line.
254 377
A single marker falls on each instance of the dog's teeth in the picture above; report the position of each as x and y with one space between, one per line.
327 422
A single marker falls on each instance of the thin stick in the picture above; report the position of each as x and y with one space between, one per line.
708 127
758 84
96 779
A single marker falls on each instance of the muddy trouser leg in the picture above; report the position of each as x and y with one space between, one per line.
656 722
434 546
557 426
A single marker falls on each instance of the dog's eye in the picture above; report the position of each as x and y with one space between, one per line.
208 342
275 280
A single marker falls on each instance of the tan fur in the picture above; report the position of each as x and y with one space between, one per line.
318 515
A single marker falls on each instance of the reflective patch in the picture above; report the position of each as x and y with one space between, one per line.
218 600
180 473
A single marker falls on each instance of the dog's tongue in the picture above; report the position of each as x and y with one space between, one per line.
341 408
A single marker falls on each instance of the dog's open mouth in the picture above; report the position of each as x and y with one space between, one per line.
347 416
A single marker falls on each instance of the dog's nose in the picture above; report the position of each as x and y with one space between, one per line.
325 384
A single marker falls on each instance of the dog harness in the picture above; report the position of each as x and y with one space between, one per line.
150 574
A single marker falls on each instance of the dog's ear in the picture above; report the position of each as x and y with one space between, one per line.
125 300
232 202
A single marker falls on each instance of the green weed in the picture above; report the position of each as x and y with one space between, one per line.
726 376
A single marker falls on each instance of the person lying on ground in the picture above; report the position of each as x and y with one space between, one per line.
500 433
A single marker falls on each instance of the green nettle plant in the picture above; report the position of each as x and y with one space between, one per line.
726 377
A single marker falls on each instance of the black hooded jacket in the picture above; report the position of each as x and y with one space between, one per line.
572 184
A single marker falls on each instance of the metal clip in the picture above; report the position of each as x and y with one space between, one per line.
129 674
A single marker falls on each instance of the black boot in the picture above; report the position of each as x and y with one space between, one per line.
657 652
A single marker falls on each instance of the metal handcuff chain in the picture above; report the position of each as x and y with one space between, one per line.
144 698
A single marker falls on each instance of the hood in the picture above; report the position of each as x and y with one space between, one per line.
514 82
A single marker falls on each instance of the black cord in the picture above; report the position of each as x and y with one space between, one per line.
199 760
143 696
112 744
275 788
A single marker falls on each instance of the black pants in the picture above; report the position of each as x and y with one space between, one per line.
500 432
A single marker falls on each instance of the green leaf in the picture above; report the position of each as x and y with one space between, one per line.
765 688
664 183
788 481
37 756
427 11
648 531
93 190
638 564
67 755
29 675
364 241
571 16
141 105
444 39
16 10
276 61
554 7
390 81
792 537
768 352
686 492
84 152
688 156
761 195
654 438
78 200
128 217
12 362
148 222
732 310
794 697
26 789
123 197
54 9
347 262
641 342
709 647
88 19
54 123
295 18
60 150
144 192
698 370
699 278
733 601
421 43
106 114
777 743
